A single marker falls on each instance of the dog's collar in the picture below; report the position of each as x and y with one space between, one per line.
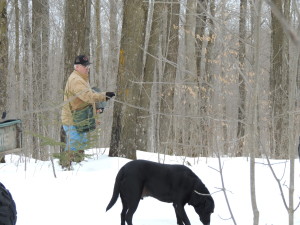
201 193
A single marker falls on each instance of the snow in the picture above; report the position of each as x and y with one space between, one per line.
80 196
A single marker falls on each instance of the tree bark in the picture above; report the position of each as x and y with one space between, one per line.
87 27
3 60
40 48
242 86
27 36
99 49
254 114
202 80
27 91
166 122
113 44
207 92
150 72
291 135
292 90
36 72
18 95
3 55
189 126
278 85
123 139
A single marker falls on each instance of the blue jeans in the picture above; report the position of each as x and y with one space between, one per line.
74 140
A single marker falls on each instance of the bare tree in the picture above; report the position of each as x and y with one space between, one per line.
291 134
202 77
17 53
242 86
166 122
189 92
26 78
3 55
114 44
207 91
254 111
150 75
284 23
40 46
26 36
87 26
3 59
279 83
123 139
98 49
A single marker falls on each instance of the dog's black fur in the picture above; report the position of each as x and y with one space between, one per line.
167 183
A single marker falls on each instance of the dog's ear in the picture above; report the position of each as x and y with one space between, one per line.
199 194
209 204
205 201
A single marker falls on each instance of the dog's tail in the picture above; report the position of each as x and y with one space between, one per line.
116 192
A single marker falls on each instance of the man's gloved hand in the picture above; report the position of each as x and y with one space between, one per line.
109 95
100 110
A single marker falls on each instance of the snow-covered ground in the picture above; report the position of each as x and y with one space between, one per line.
79 197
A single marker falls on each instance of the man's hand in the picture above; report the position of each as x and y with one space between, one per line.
100 110
109 95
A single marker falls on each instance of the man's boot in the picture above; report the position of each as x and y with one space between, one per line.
79 156
66 158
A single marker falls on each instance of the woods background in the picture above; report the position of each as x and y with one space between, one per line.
193 78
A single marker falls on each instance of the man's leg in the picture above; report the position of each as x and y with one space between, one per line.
74 140
76 143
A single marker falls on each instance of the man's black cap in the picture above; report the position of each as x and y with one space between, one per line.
82 59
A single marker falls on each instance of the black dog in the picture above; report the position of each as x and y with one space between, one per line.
167 183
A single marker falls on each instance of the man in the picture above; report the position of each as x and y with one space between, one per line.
78 95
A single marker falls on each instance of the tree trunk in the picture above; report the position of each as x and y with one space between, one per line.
26 34
99 49
292 88
291 134
222 106
207 92
189 125
27 104
87 27
123 139
278 86
150 71
40 46
3 55
254 114
45 97
113 45
18 95
202 77
166 129
242 86
36 72
3 60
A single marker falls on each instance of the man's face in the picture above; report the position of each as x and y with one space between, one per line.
83 69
